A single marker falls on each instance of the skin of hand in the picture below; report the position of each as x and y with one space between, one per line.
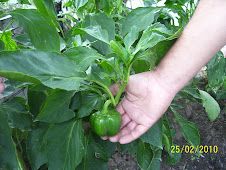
149 94
2 87
142 106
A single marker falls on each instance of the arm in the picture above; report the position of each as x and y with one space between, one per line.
149 94
202 38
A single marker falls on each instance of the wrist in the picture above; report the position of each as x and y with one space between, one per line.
167 81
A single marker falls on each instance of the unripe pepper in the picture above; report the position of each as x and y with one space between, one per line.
106 122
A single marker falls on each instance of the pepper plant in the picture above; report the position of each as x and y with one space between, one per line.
67 75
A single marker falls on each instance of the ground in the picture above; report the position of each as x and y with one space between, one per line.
211 134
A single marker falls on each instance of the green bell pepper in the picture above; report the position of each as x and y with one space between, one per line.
106 122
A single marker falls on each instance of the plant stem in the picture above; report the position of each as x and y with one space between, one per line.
18 141
107 91
105 108
95 90
123 85
6 28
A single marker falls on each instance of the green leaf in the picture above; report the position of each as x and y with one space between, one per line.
211 106
107 145
130 146
79 3
99 75
76 101
10 44
121 51
144 155
35 100
90 101
46 8
41 30
85 8
107 6
65 147
152 36
2 45
8 153
216 70
23 39
82 56
131 37
189 130
96 32
36 142
51 69
194 92
175 157
56 107
139 17
17 114
156 161
154 135
95 156
106 24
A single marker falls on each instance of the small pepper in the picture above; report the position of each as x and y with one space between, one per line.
106 122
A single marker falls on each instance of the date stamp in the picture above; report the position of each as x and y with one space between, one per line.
192 149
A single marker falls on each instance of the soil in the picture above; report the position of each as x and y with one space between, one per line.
211 134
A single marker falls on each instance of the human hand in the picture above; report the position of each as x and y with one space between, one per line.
147 98
2 87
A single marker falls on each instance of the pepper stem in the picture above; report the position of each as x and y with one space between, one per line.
105 108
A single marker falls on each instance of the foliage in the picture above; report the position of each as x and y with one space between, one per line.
67 78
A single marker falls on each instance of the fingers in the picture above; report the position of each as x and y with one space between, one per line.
135 134
124 131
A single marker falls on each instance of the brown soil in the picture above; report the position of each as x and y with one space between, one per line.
211 134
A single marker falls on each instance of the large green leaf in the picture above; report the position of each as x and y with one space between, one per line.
131 37
144 155
8 153
51 69
36 143
210 104
41 30
154 135
90 101
56 107
46 8
153 35
139 17
65 147
17 114
82 56
95 31
10 44
95 156
103 23
189 130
